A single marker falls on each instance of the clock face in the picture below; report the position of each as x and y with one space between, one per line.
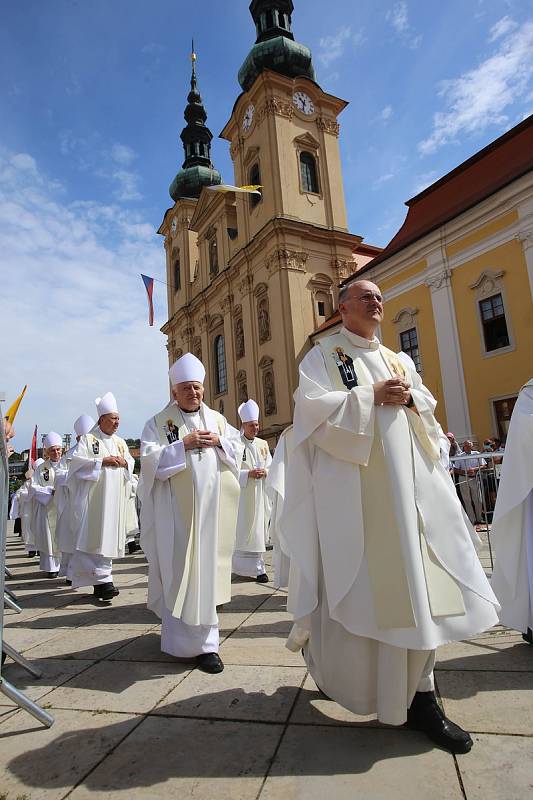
248 117
303 103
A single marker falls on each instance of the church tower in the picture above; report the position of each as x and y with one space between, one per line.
283 131
181 245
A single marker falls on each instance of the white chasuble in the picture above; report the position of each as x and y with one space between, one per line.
189 503
254 504
275 488
44 507
99 496
512 524
367 496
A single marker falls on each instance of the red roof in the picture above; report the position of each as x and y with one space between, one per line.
489 170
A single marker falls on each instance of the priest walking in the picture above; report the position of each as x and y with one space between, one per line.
99 485
512 525
254 505
44 507
189 491
383 569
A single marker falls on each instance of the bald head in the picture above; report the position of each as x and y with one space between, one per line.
361 308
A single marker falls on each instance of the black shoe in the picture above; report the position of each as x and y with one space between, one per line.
105 591
32 553
68 582
51 574
210 662
262 578
426 715
528 637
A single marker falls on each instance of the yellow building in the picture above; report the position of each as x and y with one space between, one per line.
457 280
251 276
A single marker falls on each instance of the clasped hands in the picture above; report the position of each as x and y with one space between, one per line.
200 439
392 392
114 461
257 473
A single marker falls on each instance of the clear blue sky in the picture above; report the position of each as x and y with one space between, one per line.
91 102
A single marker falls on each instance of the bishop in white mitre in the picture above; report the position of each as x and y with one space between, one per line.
383 568
254 504
64 531
99 485
512 522
189 491
44 507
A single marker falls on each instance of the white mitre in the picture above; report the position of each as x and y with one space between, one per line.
249 411
53 439
106 404
187 368
83 425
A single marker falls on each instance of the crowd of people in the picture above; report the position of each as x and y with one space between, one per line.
370 537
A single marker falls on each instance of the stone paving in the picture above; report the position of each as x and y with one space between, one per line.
131 722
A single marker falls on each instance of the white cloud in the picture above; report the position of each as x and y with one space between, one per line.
423 181
479 97
388 176
386 113
501 28
74 304
123 154
332 47
398 17
127 185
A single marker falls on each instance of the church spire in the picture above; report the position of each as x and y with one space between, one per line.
275 48
197 169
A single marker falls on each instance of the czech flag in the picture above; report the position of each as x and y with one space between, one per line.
149 286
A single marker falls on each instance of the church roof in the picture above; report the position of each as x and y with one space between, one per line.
495 166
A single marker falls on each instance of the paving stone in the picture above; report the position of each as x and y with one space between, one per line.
313 708
23 638
498 767
53 674
240 692
260 650
146 647
44 763
130 687
180 758
84 643
507 653
359 764
498 702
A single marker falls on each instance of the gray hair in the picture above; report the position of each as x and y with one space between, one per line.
343 291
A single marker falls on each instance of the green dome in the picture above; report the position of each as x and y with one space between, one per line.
279 54
190 181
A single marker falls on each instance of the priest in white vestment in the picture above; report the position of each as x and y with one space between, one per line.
512 524
254 504
44 506
383 568
64 534
99 485
189 491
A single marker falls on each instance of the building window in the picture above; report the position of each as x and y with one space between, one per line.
177 273
221 377
494 323
308 172
409 345
321 308
255 180
213 256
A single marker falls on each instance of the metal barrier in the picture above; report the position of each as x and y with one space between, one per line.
477 477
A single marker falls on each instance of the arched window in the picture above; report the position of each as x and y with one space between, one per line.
308 172
221 376
255 180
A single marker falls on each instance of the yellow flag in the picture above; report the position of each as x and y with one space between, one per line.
12 410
